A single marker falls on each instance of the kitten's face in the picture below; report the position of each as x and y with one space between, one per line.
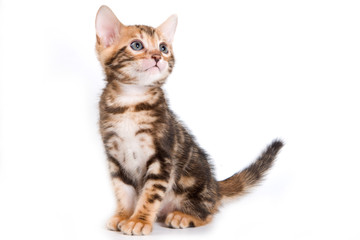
137 55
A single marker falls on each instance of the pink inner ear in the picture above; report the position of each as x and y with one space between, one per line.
107 26
107 36
168 28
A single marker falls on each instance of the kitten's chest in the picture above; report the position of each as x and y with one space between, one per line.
131 144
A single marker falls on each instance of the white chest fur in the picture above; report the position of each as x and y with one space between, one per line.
129 146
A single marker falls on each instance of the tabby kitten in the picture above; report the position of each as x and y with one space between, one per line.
158 171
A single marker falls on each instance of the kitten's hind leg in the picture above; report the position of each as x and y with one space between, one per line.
179 219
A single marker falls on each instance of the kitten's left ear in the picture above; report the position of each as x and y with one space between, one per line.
107 26
168 28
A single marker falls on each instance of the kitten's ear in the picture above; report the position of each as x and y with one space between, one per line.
168 28
107 26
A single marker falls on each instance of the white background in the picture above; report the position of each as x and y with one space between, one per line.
246 72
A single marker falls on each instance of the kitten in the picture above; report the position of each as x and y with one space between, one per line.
158 171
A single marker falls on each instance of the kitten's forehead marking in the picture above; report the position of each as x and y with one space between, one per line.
149 36
147 30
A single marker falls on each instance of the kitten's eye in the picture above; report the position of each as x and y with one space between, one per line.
136 45
163 48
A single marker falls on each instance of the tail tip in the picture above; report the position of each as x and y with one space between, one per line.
278 143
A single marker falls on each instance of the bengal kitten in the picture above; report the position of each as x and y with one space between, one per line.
158 170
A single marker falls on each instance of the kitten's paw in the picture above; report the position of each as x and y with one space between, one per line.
135 227
114 221
180 220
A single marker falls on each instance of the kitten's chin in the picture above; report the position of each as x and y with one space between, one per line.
153 70
151 77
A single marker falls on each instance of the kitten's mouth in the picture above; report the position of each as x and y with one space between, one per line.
153 68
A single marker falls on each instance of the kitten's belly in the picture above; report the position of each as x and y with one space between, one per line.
170 203
129 146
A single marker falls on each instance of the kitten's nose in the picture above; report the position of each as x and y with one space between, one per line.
156 57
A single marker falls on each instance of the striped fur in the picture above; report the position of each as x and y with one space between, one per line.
157 168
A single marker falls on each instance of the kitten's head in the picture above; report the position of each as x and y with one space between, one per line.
137 55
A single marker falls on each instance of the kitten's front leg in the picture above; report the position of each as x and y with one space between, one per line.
125 196
153 192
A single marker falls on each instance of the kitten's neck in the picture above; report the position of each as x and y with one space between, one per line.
134 90
127 94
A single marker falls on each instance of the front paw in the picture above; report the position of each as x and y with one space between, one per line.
135 227
114 221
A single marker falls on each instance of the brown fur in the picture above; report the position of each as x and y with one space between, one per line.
251 176
158 170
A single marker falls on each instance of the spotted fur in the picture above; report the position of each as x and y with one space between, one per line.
158 170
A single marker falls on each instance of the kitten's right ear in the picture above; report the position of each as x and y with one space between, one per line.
107 27
168 28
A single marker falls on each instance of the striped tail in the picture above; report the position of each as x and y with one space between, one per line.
239 183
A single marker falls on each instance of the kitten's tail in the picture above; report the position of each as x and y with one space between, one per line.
239 183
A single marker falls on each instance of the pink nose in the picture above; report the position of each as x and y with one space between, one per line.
156 57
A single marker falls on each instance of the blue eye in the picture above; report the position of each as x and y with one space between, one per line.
163 48
136 45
